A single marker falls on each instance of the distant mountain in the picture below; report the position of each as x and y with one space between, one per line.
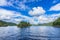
47 24
3 23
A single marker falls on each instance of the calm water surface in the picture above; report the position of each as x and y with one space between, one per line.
30 33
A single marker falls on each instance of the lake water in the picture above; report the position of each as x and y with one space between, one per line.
30 33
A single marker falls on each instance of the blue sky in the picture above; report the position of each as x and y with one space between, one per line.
33 11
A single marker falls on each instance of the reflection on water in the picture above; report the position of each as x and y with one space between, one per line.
30 33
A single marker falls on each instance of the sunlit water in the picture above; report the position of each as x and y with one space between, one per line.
30 33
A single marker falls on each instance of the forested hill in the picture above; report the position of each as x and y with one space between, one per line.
3 23
57 22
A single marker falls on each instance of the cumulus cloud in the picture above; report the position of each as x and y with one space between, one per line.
36 11
55 8
33 20
5 14
43 18
3 2
48 18
11 16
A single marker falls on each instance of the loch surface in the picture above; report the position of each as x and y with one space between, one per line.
30 33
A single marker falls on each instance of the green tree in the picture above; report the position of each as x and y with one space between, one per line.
23 24
57 22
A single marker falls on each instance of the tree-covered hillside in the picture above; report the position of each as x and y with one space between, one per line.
57 22
3 23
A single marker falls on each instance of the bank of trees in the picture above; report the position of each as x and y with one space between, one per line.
56 22
23 24
3 23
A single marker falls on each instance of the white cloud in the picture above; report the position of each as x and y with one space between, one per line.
3 2
11 16
33 20
36 11
55 8
43 18
5 14
48 18
18 4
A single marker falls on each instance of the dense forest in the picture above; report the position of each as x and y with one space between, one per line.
3 23
23 24
56 22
